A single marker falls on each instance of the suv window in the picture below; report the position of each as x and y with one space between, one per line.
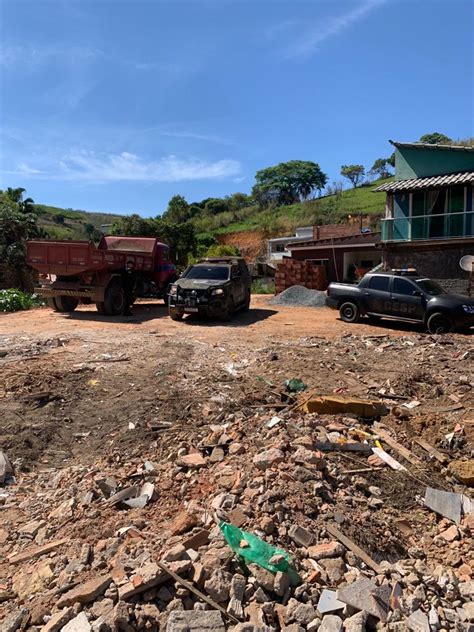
210 273
402 286
381 283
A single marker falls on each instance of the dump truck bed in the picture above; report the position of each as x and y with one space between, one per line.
69 258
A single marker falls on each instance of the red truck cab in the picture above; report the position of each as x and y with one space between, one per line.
78 271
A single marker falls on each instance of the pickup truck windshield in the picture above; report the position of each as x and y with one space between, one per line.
211 273
430 287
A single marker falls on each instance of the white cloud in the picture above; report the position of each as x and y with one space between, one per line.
82 166
307 42
34 56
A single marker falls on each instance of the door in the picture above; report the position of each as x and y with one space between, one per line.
406 300
237 285
376 295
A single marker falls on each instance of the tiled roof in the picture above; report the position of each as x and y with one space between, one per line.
432 146
417 184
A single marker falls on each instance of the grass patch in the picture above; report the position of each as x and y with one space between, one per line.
262 287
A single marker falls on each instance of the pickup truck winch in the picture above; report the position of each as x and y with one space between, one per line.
78 271
402 295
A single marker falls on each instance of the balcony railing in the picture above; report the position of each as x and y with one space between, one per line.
442 226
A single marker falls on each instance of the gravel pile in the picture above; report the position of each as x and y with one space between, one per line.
299 295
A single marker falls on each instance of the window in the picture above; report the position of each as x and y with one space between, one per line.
402 286
381 283
280 248
211 273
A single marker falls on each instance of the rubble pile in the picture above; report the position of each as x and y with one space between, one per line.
263 515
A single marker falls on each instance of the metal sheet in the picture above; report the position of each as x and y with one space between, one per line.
448 504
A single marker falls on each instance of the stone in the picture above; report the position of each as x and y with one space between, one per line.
178 552
195 621
468 608
102 607
58 620
303 455
6 468
301 613
145 578
267 458
78 624
218 585
15 620
331 623
36 580
281 583
267 525
196 540
450 534
326 550
364 594
193 460
300 535
335 569
86 592
328 602
264 577
356 623
418 622
463 471
30 529
182 523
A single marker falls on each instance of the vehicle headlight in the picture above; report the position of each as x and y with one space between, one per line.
173 290
469 309
218 291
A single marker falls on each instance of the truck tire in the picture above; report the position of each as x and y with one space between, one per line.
114 300
174 314
229 310
349 312
247 302
63 303
100 308
439 323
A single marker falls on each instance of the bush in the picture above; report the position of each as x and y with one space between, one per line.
14 300
262 287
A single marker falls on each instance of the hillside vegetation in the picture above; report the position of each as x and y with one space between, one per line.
61 223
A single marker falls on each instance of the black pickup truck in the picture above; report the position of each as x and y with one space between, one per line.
402 295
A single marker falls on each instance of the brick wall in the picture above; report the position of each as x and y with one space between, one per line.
291 272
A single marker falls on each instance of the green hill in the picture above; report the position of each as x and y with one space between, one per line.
66 223
329 209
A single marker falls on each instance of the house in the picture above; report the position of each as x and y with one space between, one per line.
346 257
429 218
276 248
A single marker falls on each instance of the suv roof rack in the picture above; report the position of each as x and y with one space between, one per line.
405 271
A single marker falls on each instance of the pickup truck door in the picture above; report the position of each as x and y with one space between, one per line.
407 299
376 295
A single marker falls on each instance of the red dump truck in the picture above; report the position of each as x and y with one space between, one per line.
79 271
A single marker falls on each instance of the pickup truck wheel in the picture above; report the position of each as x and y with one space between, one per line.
349 312
229 310
65 303
439 323
114 301
174 314
247 302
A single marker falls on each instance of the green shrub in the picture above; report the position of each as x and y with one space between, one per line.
262 287
13 300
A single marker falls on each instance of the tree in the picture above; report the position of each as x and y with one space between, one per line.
391 160
177 211
214 206
435 138
354 173
17 224
92 233
287 183
381 168
222 250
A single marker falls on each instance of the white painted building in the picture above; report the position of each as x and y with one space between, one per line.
276 248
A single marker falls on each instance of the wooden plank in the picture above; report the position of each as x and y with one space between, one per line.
389 460
442 458
327 446
197 592
352 546
36 551
406 454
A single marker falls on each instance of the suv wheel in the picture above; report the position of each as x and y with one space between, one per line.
247 302
229 311
349 312
439 323
174 314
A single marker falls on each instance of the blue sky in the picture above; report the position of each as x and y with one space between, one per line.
116 105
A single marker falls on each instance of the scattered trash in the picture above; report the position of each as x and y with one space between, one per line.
333 405
448 504
295 386
273 422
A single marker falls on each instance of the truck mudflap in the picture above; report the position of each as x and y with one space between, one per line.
49 292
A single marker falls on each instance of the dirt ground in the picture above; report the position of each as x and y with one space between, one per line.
86 395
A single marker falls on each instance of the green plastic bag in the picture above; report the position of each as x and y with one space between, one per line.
295 386
258 551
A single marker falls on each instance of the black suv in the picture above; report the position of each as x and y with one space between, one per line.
212 287
402 295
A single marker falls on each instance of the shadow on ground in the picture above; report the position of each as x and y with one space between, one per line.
240 319
398 325
141 313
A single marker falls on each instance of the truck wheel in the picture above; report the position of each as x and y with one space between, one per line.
247 302
52 303
174 314
439 323
349 312
229 310
100 308
114 301
65 303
